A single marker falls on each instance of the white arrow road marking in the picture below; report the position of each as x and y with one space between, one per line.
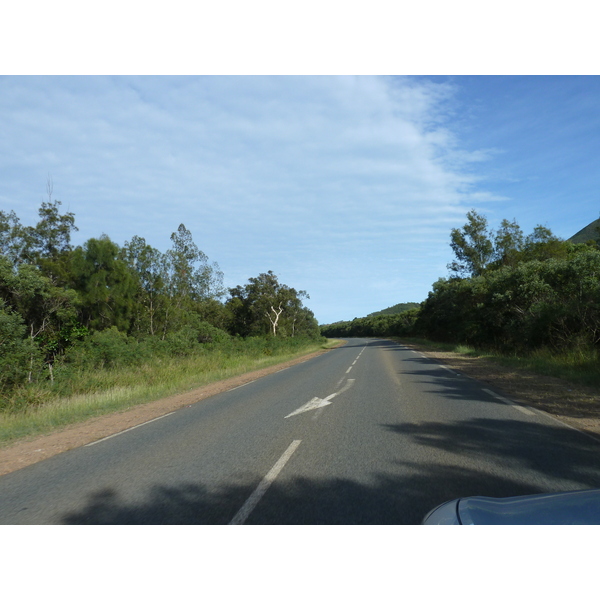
317 402
310 405
348 385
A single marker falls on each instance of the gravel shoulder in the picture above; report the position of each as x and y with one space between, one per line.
575 405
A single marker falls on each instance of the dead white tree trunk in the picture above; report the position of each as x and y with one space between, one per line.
275 320
30 374
32 337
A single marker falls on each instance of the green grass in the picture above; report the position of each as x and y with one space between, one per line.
576 366
333 343
428 344
41 410
469 351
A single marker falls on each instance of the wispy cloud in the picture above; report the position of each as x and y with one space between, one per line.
320 179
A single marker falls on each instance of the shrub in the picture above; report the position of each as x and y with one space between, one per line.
20 357
209 334
103 349
180 343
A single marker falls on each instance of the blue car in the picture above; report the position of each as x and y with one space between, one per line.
563 508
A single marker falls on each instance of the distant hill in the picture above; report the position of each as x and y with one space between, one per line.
397 308
590 232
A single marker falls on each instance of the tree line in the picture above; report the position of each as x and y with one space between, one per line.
59 302
505 290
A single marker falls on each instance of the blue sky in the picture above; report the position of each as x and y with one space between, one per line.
346 187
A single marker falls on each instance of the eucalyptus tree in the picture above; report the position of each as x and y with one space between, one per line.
12 241
189 274
47 244
52 234
472 246
149 266
189 279
542 244
478 248
266 306
508 243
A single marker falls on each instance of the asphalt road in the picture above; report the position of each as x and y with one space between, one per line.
368 433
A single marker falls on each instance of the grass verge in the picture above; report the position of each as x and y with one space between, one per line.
580 366
119 389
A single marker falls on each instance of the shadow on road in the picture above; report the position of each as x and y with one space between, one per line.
388 501
449 384
545 451
481 457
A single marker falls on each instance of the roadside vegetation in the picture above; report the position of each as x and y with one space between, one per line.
92 393
529 301
98 327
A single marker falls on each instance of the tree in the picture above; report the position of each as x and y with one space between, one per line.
300 319
265 306
542 244
52 233
48 311
148 265
189 280
46 245
508 243
472 246
477 249
12 240
189 274
105 284
46 242
17 351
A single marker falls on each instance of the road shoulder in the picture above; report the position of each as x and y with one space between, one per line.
31 450
576 405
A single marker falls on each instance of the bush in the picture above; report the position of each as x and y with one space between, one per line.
180 343
209 334
19 355
537 304
105 349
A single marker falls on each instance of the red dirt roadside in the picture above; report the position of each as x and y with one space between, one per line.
31 450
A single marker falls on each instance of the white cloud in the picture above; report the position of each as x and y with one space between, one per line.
319 178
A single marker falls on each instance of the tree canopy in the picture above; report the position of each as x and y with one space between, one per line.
264 305
506 290
54 296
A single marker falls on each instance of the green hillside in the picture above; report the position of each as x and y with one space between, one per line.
590 232
397 308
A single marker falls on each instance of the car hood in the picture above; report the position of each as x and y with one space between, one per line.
563 508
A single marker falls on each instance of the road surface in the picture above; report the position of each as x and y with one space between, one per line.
369 433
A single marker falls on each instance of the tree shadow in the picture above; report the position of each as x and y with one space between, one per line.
542 391
188 503
389 500
449 384
546 451
480 457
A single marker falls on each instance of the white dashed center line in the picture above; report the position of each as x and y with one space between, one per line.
263 486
